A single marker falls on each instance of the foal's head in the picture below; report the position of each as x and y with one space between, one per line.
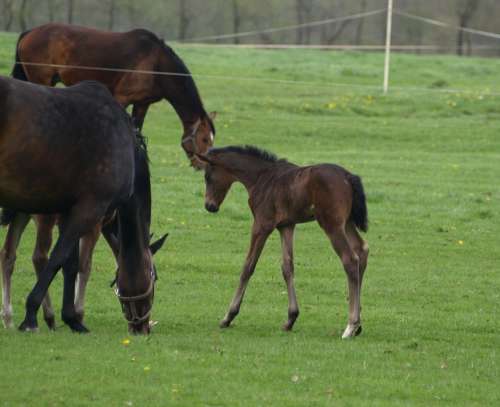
218 181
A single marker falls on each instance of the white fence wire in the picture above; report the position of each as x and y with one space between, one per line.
190 42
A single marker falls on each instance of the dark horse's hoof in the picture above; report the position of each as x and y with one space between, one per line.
51 323
28 326
76 326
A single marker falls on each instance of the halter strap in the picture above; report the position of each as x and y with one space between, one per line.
128 303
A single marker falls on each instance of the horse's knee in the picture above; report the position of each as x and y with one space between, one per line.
7 258
39 260
351 262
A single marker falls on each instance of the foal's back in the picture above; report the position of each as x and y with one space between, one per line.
294 194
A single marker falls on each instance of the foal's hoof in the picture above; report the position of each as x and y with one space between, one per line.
351 331
224 323
287 327
51 322
7 321
28 326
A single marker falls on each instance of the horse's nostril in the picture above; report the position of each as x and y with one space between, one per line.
211 207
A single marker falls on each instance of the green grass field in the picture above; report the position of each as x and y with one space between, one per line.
430 163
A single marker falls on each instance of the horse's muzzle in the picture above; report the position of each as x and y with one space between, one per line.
210 207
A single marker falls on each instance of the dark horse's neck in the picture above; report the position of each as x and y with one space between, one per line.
179 89
134 218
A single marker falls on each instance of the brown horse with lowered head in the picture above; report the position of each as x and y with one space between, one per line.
55 53
136 66
282 194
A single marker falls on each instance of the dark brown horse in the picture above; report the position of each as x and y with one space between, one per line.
75 152
124 63
282 194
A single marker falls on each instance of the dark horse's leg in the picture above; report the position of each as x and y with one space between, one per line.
259 237
44 225
7 261
138 114
80 220
87 245
286 234
68 312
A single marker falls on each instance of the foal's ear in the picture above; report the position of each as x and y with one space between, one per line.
212 115
154 247
203 158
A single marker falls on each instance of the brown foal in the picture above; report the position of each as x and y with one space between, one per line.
282 194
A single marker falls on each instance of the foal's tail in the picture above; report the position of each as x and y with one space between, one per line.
18 70
359 212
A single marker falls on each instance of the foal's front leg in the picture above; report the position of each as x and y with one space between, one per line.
288 272
259 237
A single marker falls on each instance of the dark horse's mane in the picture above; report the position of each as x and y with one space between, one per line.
249 150
188 83
142 181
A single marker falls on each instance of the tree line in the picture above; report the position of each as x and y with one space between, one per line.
181 20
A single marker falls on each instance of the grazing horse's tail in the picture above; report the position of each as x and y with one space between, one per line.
7 216
359 213
18 70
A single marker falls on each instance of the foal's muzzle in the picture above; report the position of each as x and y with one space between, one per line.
210 207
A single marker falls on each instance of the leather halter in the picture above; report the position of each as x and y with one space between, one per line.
191 138
129 304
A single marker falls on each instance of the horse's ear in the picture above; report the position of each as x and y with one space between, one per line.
212 115
154 247
203 158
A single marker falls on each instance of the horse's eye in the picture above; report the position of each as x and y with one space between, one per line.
205 140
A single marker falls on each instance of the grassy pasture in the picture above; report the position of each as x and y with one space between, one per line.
430 162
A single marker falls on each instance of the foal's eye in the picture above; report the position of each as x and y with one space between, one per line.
207 177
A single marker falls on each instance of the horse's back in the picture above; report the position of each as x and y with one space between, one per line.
69 139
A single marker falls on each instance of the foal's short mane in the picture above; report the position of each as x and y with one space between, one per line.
248 150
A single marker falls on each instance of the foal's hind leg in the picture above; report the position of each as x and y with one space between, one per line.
44 225
360 247
350 261
288 272
7 261
87 245
259 237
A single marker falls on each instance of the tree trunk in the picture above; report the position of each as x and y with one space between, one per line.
359 29
236 21
300 20
8 14
466 10
22 15
183 19
111 14
70 9
50 9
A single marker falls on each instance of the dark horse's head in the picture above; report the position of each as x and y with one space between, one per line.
136 271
